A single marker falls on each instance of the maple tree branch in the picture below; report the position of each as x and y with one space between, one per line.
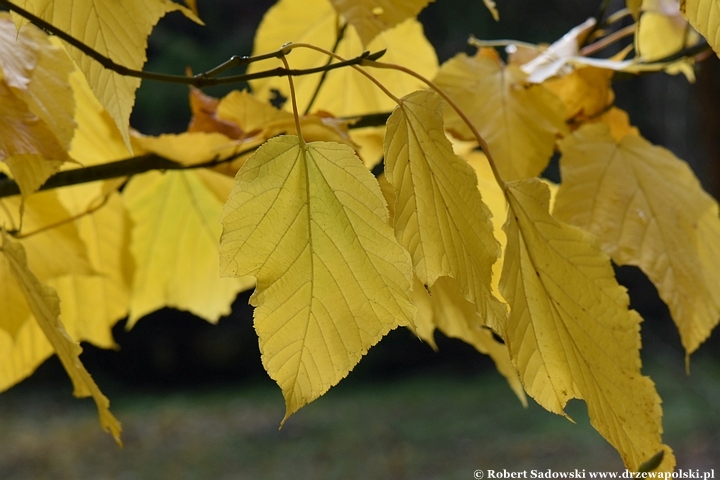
120 168
201 80
150 162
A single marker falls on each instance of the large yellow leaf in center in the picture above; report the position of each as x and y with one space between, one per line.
309 222
439 214
570 332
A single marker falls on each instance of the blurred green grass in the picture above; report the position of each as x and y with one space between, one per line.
418 427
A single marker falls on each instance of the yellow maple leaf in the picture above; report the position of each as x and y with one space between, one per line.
22 353
704 16
265 121
52 251
315 22
37 71
188 148
91 303
634 7
45 306
369 141
309 222
646 206
370 17
586 92
439 213
661 30
16 310
174 244
519 122
570 333
494 198
97 138
118 30
27 145
447 309
618 122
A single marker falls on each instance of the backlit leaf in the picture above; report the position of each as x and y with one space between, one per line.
188 148
570 332
45 305
97 139
439 213
118 30
646 206
309 222
345 92
21 354
174 244
37 71
27 145
520 122
92 304
265 121
16 312
370 17
494 198
52 252
56 252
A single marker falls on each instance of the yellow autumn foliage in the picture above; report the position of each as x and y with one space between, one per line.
434 191
645 206
308 221
570 333
45 306
315 22
334 266
117 30
519 122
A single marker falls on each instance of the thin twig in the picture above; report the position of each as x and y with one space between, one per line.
340 35
64 221
201 80
607 41
293 100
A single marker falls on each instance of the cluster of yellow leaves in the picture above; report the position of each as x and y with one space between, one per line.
448 238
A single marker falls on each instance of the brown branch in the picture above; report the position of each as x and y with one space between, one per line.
149 162
120 168
201 80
